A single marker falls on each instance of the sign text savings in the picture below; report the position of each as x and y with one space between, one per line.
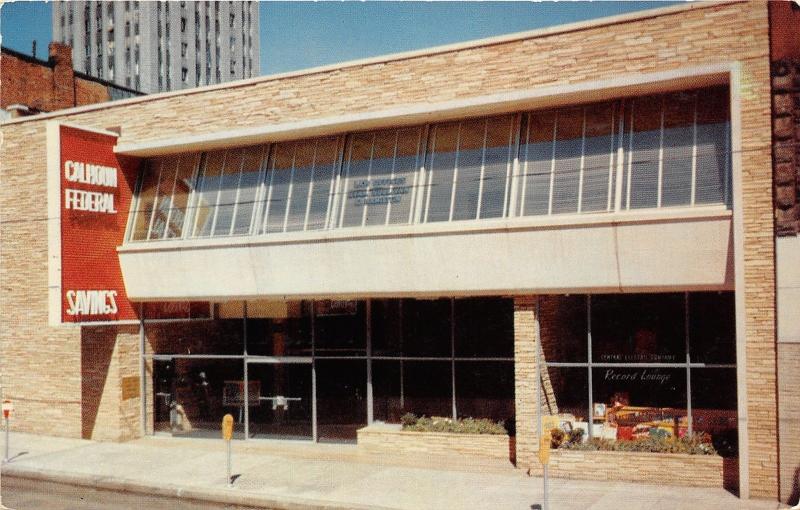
92 201
92 302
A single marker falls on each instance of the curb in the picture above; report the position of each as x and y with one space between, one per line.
199 494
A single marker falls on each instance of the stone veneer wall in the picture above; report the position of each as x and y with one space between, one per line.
41 366
654 468
393 441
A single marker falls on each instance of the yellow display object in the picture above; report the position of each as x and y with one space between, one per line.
227 427
544 449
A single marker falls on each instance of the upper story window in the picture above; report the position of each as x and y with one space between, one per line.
667 150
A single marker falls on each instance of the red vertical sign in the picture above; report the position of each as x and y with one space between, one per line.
96 193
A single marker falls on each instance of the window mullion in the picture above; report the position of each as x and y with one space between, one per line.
392 177
620 176
611 160
581 172
694 153
238 194
369 178
687 333
430 175
343 190
483 169
271 171
200 187
335 184
191 200
311 185
415 209
258 197
172 197
552 166
155 199
661 153
291 189
455 173
525 166
630 162
512 168
219 194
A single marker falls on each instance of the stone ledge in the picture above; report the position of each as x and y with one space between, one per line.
390 439
656 468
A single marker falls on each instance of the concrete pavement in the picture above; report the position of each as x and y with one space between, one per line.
286 475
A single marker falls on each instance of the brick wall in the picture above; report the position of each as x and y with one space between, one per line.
701 34
46 86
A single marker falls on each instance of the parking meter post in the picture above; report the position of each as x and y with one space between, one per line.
6 456
229 464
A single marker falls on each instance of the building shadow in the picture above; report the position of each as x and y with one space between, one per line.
97 348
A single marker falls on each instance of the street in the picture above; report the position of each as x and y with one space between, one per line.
23 494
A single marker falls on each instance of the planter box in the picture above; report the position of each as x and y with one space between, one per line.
655 468
391 440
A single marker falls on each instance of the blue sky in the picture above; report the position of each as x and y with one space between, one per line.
297 35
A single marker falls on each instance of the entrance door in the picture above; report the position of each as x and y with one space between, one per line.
280 398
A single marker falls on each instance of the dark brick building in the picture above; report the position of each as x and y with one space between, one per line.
29 85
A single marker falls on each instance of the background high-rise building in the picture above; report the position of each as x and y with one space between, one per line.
156 46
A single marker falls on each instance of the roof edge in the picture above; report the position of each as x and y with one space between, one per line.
391 57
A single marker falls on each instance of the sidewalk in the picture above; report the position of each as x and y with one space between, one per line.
283 475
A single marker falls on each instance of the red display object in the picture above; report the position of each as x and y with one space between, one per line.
96 193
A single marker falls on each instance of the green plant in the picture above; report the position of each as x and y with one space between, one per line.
695 444
459 426
408 419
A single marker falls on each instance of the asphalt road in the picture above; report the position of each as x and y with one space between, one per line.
21 494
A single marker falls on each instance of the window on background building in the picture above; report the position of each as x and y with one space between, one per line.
184 74
136 28
183 24
184 48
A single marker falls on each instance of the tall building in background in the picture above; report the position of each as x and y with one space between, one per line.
158 46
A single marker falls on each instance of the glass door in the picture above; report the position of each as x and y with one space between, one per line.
280 398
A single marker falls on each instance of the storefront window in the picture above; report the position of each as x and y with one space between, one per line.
661 365
192 395
485 390
646 328
484 327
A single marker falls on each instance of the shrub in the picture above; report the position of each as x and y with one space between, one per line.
696 444
408 419
557 437
461 426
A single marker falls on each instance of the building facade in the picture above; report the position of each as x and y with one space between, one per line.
32 86
575 222
160 46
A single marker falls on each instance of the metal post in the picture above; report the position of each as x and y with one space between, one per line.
230 484
452 356
590 383
7 456
537 344
545 502
314 431
245 375
370 396
142 374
